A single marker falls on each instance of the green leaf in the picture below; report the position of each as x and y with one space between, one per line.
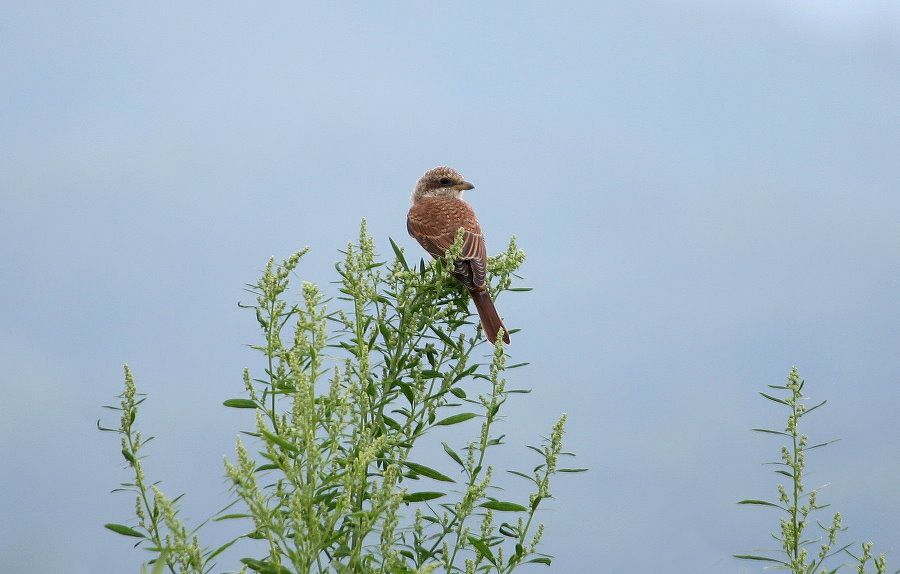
422 496
264 567
535 449
285 444
522 474
759 502
465 373
458 418
443 337
782 433
399 254
426 471
458 392
103 428
385 331
503 506
821 444
777 400
497 440
811 409
240 403
220 549
408 392
541 560
128 456
452 454
571 470
763 558
483 549
391 423
124 530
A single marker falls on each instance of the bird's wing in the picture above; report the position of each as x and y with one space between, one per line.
435 223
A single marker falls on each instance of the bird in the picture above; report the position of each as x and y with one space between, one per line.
437 213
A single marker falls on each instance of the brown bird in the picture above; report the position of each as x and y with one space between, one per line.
437 213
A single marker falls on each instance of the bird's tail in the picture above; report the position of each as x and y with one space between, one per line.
490 320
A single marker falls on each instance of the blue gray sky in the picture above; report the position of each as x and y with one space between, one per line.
707 193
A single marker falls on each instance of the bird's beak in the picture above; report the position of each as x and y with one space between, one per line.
463 186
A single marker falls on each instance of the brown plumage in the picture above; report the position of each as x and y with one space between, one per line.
437 213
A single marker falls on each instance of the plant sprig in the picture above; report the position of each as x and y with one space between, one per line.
800 551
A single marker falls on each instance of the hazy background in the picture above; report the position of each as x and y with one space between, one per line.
707 192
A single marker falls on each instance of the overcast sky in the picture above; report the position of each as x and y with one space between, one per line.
708 193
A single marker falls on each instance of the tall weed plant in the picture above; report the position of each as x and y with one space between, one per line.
331 477
806 545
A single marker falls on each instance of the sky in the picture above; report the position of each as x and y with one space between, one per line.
707 193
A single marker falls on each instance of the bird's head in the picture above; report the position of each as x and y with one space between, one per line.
441 182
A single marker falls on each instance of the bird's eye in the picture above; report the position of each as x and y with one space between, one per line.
444 180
